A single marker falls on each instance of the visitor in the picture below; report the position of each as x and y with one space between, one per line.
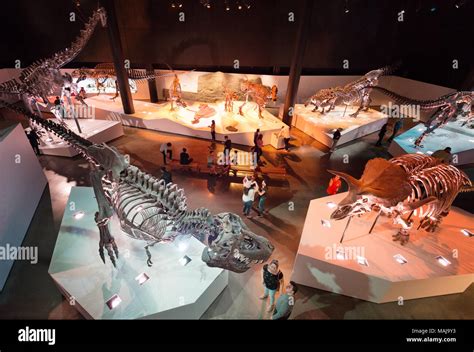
184 158
165 175
285 134
272 280
34 140
213 130
255 136
234 158
335 139
334 185
211 162
248 197
166 149
259 147
285 303
444 155
81 96
382 132
262 197
227 148
396 127
57 102
249 181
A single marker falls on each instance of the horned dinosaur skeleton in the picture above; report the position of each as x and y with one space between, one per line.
43 78
259 93
357 92
449 107
151 211
412 183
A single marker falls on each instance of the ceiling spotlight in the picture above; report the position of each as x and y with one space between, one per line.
173 5
239 7
180 5
346 10
208 6
433 9
227 8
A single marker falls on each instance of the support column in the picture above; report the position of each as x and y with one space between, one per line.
152 87
118 59
297 61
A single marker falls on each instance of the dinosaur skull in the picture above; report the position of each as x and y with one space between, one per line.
235 248
109 159
382 184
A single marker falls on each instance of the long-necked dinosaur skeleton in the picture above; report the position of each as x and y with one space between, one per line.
412 183
43 78
154 212
449 107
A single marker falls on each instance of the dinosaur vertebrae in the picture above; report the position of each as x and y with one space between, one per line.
106 70
38 79
429 178
152 211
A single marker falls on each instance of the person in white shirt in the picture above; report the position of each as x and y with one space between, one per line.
285 134
249 181
165 148
248 197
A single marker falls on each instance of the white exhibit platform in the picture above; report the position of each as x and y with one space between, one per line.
22 184
159 117
96 131
323 263
173 290
321 127
460 139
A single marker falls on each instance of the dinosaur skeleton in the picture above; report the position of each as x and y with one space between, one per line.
151 211
357 92
104 71
412 183
449 107
43 78
260 95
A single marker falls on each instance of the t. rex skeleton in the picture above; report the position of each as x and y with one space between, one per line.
357 92
260 95
153 212
412 183
449 106
43 78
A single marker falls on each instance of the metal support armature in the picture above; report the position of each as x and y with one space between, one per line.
345 229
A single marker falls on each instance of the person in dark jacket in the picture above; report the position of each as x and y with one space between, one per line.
34 141
184 158
396 127
382 132
285 303
166 175
272 277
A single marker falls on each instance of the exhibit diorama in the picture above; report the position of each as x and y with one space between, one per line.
237 159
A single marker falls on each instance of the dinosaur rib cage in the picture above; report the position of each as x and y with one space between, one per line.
427 178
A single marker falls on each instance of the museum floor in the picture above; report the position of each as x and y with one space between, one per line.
30 293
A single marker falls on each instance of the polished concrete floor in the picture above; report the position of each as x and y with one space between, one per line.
30 293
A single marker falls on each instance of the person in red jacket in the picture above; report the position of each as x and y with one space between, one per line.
334 185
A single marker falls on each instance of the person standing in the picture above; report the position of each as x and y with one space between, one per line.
382 132
166 175
227 148
272 280
285 134
255 136
334 185
285 303
396 127
211 162
34 140
213 130
166 149
335 139
247 198
259 147
263 196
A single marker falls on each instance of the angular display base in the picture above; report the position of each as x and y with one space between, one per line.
159 117
22 184
173 290
96 131
323 263
460 139
321 127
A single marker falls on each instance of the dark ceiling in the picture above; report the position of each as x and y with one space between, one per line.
432 35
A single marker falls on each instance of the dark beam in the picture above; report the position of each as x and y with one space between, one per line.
152 87
118 58
297 60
